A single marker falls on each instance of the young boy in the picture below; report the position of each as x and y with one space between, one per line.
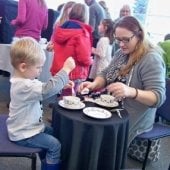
25 125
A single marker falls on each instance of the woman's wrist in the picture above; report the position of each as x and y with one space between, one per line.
136 94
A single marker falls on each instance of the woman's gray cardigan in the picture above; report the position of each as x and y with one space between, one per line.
148 74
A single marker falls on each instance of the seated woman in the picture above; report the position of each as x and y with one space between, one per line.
136 75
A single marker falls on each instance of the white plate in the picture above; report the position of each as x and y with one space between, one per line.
72 107
97 113
100 103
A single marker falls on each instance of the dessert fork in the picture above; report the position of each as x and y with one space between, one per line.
118 112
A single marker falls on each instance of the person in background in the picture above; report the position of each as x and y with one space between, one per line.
125 11
106 10
32 18
96 15
135 76
25 124
103 51
60 7
64 16
165 45
74 38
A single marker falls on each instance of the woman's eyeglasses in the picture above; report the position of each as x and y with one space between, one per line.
125 40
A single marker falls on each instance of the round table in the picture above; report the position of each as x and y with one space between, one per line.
88 143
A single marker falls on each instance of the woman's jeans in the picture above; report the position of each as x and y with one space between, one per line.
47 142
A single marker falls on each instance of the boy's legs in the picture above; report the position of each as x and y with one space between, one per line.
46 141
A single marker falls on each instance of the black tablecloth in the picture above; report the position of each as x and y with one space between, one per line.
90 144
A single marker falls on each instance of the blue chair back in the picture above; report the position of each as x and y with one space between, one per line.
164 110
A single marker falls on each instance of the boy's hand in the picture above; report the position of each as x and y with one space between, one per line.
50 46
69 85
93 50
69 65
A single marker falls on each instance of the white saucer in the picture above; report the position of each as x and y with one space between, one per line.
72 107
101 103
97 113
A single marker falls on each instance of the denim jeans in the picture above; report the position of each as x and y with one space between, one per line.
47 142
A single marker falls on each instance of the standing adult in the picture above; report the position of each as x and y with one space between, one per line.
106 9
32 18
96 15
125 11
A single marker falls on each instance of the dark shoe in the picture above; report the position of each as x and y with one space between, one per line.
53 166
45 166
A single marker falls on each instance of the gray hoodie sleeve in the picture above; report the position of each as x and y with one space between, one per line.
55 84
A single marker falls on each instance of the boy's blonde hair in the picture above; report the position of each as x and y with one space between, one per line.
26 50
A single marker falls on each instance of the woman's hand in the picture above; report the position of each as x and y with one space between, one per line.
120 90
98 83
86 85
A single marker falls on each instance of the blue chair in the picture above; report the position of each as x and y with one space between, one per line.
160 129
10 149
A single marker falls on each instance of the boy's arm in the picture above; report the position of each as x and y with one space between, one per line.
55 84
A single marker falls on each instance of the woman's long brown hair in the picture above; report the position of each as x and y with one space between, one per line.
143 45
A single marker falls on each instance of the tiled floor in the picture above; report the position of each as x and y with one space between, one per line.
24 163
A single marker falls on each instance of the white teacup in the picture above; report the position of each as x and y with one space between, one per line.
105 98
71 100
